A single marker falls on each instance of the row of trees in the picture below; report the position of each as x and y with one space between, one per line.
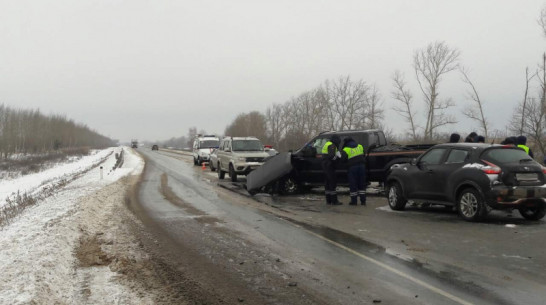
340 104
30 131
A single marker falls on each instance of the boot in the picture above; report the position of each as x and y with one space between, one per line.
335 201
328 199
353 200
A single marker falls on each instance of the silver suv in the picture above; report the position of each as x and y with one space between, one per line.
239 156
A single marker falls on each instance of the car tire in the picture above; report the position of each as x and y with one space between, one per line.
232 173
395 197
288 186
194 161
212 168
471 205
221 173
536 213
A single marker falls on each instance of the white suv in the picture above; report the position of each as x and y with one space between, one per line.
202 147
239 156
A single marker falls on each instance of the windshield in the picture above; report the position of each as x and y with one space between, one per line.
209 144
505 155
247 145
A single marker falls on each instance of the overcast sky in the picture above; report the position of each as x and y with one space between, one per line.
152 69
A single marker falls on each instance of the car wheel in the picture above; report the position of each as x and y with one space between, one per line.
221 173
289 186
232 173
194 161
211 166
395 197
471 205
532 213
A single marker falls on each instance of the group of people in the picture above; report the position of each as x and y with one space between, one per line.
473 137
351 153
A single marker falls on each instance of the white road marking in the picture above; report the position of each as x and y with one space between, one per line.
393 270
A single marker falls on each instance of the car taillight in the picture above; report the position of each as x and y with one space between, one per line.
544 170
491 168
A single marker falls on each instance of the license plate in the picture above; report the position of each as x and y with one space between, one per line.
527 177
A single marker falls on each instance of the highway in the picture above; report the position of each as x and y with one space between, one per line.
234 248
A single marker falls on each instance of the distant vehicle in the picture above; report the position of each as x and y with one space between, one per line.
474 178
213 160
239 156
202 147
155 147
134 143
304 167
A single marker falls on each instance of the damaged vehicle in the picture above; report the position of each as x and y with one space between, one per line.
291 173
475 178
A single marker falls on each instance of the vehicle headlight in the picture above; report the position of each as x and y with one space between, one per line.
242 159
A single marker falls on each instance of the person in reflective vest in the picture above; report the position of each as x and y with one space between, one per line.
521 142
330 156
353 154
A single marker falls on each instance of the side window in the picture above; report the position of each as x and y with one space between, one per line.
195 144
318 143
433 157
457 156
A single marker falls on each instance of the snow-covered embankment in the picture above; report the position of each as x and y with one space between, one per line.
50 252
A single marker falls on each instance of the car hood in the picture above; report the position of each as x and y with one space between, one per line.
262 154
206 150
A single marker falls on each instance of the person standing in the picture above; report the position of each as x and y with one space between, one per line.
353 154
521 142
331 155
454 138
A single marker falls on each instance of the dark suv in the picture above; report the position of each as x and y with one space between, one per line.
473 177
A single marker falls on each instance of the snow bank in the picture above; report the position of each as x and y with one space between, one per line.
37 248
33 183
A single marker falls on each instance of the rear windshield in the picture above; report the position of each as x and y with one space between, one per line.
209 144
247 145
505 155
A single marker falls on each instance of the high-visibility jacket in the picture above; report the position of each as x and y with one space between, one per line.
354 152
524 147
354 155
325 147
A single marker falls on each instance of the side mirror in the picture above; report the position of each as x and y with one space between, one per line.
227 149
309 151
372 147
413 161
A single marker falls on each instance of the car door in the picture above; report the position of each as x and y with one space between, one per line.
425 180
309 166
222 155
456 158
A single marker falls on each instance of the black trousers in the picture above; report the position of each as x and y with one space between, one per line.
330 183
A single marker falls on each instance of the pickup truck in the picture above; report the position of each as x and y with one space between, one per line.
305 170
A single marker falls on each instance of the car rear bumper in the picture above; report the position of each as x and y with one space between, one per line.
513 197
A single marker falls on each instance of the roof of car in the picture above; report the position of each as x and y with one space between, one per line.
353 131
475 145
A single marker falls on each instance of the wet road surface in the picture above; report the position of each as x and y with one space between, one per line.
287 255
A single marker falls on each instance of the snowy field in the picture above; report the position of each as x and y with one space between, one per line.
34 183
38 248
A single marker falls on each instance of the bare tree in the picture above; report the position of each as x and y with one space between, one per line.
542 20
347 101
517 123
475 112
403 95
430 64
373 113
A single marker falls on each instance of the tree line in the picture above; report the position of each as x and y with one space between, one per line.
344 104
31 132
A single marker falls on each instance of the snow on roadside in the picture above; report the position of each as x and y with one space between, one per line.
37 249
33 183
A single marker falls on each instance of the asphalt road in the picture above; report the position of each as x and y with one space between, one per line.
296 250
